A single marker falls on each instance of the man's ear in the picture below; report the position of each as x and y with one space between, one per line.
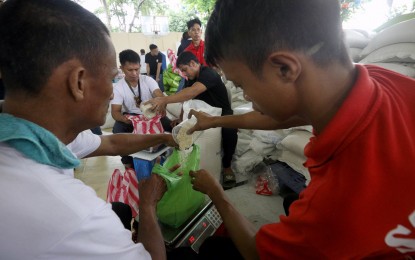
77 82
286 65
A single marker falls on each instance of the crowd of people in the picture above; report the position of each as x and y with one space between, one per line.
57 63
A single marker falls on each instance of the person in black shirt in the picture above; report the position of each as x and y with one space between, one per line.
154 61
205 84
2 94
186 40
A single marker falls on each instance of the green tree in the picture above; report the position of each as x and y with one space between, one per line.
202 8
400 10
348 8
178 20
125 15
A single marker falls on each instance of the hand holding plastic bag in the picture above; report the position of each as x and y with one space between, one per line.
180 200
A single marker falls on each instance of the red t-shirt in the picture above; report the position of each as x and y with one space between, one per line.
360 202
198 51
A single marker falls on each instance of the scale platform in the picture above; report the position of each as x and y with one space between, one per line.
194 231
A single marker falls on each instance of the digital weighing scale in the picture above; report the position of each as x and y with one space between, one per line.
194 231
201 225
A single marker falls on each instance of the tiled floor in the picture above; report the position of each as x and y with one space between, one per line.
260 210
97 171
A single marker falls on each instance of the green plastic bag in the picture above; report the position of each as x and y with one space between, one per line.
171 80
180 200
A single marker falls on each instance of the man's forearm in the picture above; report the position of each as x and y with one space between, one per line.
118 116
136 142
241 231
149 233
182 96
254 120
125 144
158 71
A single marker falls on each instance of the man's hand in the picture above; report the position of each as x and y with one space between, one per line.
170 141
127 121
162 112
158 104
175 122
151 190
204 121
204 182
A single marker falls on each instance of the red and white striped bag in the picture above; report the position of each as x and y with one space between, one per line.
124 188
173 58
143 125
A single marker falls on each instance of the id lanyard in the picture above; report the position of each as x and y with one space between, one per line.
136 98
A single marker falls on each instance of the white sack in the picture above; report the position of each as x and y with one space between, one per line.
399 52
245 163
356 38
261 148
354 54
397 33
210 140
295 142
174 109
269 136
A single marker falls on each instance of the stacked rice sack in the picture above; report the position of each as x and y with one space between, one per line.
236 95
245 158
393 48
285 145
356 40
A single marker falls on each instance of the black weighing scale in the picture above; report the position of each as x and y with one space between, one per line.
201 225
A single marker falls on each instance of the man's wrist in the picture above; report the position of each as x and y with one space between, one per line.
166 138
147 208
213 122
163 101
126 120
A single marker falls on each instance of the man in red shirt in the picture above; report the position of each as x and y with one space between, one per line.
197 46
296 70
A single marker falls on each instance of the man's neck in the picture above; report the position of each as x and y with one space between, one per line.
60 126
323 100
196 43
132 84
198 71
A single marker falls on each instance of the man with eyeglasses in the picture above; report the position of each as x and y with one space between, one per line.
197 46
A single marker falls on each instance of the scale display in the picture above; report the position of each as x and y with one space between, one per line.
193 232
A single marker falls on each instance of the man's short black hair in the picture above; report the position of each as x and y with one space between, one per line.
153 46
249 31
193 22
129 56
142 51
39 35
185 58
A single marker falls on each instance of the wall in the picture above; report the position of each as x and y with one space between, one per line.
137 41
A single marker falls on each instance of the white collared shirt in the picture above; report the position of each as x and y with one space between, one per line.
47 214
123 95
